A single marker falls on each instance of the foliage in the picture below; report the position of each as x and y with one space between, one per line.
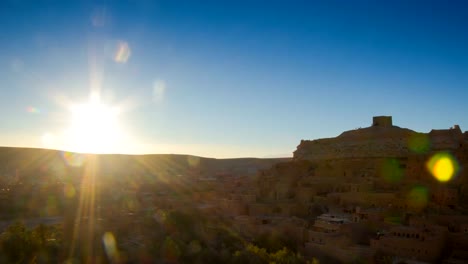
180 238
275 241
254 254
21 245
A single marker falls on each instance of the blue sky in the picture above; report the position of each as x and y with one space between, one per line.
230 78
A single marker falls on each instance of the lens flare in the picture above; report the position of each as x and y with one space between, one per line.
193 161
110 246
418 197
33 110
442 166
391 170
419 143
123 52
73 159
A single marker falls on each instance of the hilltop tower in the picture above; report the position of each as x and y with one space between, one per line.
382 121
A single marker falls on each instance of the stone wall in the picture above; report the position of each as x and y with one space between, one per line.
420 244
446 138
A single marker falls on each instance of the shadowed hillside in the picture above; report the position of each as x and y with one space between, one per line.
25 162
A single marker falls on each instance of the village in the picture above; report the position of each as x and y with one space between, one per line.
381 194
367 194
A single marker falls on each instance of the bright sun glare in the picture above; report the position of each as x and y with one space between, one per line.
94 127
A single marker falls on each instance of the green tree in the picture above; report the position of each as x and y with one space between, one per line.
16 243
254 254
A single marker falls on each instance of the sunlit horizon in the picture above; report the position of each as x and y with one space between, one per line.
225 80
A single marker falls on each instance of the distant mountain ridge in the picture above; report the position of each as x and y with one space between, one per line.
32 161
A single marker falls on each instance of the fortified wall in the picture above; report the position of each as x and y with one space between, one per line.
382 139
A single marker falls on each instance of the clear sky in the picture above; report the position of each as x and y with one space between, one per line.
226 78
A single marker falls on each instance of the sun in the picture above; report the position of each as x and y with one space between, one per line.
93 127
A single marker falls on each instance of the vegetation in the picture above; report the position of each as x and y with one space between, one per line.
21 245
179 238
254 254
